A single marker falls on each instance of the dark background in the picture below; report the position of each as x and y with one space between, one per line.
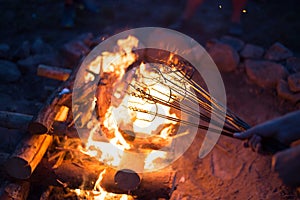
264 23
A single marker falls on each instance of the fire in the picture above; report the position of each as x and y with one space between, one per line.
130 112
113 62
99 193
136 116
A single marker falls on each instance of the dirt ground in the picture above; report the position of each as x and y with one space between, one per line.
230 171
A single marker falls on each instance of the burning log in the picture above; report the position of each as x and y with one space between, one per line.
56 73
43 121
158 184
15 190
13 120
31 150
27 155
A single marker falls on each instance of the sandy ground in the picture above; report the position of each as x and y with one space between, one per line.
231 171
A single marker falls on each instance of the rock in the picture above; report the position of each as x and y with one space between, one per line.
40 47
252 51
4 50
236 43
265 74
30 63
293 64
5 100
23 51
278 52
23 106
225 57
9 72
9 139
294 82
284 92
211 43
73 51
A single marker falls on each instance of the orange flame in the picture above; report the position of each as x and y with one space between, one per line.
129 111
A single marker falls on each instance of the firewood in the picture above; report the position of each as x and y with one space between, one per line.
42 122
30 152
56 73
18 190
158 184
13 120
27 155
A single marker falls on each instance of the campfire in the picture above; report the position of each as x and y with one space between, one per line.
111 130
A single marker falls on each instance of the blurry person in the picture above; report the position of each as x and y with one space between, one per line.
285 129
192 6
69 12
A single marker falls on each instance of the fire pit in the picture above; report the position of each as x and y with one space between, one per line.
135 112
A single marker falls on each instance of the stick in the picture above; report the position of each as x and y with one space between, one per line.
15 190
13 120
56 73
27 155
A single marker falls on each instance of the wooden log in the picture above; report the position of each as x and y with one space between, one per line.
12 120
27 155
18 190
42 122
158 184
56 73
30 152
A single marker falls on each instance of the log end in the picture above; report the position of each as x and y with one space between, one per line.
37 128
18 168
127 179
